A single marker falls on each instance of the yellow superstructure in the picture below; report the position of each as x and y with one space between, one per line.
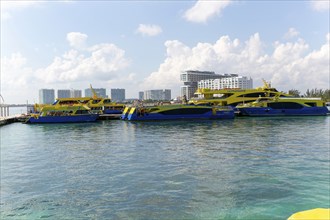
95 103
234 96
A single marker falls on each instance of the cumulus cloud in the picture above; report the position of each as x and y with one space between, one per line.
292 32
77 40
288 65
97 62
202 11
14 70
319 5
149 30
8 7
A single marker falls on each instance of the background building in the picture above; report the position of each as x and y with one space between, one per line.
63 93
191 78
159 95
141 95
46 96
117 95
241 82
100 92
75 93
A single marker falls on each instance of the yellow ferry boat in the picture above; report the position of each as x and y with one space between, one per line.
234 96
96 104
63 114
283 106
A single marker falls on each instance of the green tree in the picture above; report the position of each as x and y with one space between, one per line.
323 94
294 92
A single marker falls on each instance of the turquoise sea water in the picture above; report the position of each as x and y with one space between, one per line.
247 168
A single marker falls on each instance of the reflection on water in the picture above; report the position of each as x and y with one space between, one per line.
247 168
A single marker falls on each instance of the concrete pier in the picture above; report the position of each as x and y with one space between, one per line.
12 119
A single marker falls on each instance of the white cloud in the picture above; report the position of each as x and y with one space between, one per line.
149 30
204 10
16 79
98 63
292 32
7 7
320 5
77 40
290 65
13 70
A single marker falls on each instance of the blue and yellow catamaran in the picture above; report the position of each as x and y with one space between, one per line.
176 112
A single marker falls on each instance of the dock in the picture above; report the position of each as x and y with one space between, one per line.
12 119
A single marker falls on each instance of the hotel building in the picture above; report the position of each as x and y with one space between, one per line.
100 92
63 93
117 95
46 96
241 82
157 95
75 93
191 78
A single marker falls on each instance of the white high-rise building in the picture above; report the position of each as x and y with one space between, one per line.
99 92
157 94
241 82
63 93
46 96
141 95
75 93
117 95
191 78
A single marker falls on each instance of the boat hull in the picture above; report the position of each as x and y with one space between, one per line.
184 114
266 111
63 119
112 111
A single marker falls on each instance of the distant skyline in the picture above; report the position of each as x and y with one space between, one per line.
144 45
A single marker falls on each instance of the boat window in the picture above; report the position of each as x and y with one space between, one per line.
95 101
153 109
285 105
256 94
80 112
186 111
312 104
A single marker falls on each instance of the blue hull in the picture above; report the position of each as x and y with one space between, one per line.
63 119
112 111
306 111
159 116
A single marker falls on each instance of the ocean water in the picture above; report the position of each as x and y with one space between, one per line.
246 168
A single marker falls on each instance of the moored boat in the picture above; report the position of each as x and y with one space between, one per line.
284 106
96 104
125 113
176 112
63 114
234 96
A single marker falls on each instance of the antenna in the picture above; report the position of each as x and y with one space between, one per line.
93 91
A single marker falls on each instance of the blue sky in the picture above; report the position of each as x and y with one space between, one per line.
141 45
